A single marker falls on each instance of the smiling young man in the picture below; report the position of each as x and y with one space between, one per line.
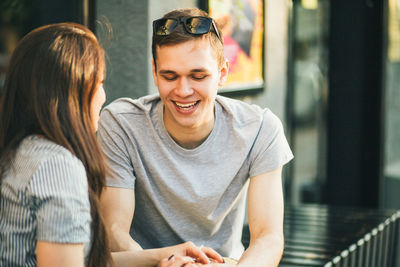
184 159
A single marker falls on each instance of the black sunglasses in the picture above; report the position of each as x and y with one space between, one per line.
197 25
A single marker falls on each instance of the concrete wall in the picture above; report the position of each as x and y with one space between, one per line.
127 48
276 49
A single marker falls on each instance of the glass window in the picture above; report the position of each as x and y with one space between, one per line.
308 90
391 197
13 17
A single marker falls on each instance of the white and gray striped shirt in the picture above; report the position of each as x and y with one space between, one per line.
43 197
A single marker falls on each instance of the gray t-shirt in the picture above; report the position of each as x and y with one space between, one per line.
43 197
190 194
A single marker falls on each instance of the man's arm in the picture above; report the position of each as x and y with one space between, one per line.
118 206
265 212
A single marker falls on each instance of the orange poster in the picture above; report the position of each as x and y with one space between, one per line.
242 24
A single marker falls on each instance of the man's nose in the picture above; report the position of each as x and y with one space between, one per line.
184 87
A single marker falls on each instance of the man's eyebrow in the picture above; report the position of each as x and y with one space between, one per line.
173 72
167 72
198 70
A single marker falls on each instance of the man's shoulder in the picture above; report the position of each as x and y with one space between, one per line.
127 105
241 111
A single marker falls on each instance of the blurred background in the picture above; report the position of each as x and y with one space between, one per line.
329 69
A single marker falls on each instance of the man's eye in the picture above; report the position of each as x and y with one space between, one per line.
199 77
170 77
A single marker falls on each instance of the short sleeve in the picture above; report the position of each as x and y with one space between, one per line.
60 201
113 142
271 149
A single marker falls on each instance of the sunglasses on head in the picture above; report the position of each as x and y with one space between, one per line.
197 25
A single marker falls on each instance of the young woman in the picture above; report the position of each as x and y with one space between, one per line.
51 168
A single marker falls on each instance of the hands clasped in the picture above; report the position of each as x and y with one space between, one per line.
190 255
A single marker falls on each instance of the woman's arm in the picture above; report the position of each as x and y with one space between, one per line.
49 254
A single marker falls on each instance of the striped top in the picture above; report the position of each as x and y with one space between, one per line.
43 197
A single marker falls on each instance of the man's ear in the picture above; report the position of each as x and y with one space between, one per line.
223 73
154 73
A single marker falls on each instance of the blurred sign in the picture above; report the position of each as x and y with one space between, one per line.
242 24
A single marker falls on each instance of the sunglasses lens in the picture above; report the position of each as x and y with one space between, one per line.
164 26
198 25
193 25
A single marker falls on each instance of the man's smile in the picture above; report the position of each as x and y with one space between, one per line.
186 106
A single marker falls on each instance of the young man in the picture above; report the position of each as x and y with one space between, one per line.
184 159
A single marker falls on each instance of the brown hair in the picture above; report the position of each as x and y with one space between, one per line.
52 77
179 35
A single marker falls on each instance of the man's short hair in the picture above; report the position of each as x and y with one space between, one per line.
179 34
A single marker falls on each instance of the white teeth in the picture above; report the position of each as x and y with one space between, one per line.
186 105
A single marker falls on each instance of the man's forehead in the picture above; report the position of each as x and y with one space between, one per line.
172 71
187 47
196 56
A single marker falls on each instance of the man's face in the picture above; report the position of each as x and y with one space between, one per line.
188 77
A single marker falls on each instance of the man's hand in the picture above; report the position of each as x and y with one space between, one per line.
217 265
203 255
177 261
186 254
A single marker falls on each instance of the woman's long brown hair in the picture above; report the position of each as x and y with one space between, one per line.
51 80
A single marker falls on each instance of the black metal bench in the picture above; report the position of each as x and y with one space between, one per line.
319 235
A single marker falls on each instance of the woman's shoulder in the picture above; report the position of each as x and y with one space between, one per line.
39 158
42 149
43 170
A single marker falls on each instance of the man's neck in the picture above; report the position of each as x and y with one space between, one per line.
190 138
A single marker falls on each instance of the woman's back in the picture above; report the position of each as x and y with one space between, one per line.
44 197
